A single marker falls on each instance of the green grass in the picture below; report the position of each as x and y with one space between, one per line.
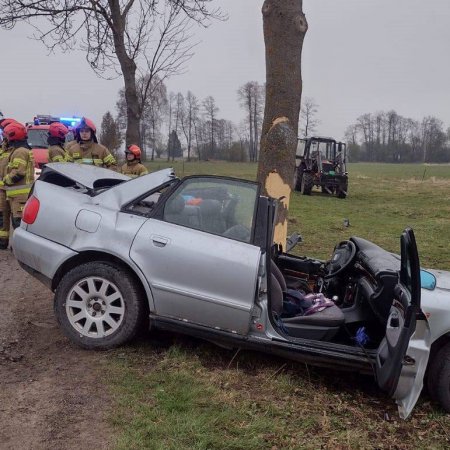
172 392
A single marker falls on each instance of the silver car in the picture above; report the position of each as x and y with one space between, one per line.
197 256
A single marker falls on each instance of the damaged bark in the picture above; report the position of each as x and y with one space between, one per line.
285 27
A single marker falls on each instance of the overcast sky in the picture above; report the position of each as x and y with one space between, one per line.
359 56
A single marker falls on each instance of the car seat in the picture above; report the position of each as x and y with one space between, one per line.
322 325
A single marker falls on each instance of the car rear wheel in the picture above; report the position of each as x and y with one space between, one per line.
439 377
99 306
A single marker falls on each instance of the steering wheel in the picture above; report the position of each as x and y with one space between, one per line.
342 257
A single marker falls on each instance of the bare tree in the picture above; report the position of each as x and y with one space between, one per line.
285 27
308 117
210 111
188 117
153 105
250 97
127 38
388 136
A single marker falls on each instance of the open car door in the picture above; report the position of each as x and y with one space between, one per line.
403 354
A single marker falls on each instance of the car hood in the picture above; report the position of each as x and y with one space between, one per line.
86 175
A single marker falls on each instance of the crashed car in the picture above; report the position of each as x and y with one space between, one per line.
197 256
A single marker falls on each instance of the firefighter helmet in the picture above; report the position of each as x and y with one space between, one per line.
134 150
5 122
86 123
57 130
15 131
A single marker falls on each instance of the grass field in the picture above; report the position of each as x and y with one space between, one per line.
178 393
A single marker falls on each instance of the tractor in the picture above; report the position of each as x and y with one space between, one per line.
321 162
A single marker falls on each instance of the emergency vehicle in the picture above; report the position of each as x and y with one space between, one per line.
37 136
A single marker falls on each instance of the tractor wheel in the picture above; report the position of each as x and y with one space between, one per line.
307 183
298 175
341 193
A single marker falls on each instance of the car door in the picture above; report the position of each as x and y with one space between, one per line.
403 354
198 256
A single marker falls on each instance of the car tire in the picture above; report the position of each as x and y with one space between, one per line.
307 183
99 306
438 382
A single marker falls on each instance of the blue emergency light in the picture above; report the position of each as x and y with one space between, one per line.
70 120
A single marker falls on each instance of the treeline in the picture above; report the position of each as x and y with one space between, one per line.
182 125
390 137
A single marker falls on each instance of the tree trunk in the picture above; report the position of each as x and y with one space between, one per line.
133 116
285 27
255 128
250 125
128 67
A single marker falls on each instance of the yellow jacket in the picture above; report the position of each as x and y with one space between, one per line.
5 153
20 170
134 169
91 153
56 154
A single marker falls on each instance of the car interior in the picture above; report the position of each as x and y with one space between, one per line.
359 280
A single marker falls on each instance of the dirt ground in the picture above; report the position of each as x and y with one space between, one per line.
51 393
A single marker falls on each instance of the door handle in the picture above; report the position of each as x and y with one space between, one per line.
159 241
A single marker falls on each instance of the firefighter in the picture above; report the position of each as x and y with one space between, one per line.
3 124
19 174
87 150
133 167
56 138
5 152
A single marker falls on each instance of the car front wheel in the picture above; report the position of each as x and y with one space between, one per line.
439 377
99 306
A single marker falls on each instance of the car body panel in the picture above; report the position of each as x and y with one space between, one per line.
122 194
413 370
196 276
85 174
436 304
40 254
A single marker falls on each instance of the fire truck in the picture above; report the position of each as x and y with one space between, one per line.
37 136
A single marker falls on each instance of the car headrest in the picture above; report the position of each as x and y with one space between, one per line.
175 205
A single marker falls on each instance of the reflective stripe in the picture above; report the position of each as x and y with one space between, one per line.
109 159
4 155
84 161
7 180
98 162
145 172
29 178
76 155
58 158
16 192
16 162
4 234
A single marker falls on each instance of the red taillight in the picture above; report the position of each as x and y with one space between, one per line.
31 209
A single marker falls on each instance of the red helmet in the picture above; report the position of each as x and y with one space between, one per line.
5 122
15 131
57 130
86 123
135 150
